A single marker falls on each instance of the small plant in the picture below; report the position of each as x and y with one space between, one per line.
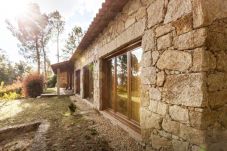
33 85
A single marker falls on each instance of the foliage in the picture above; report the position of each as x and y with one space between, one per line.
32 33
11 96
7 73
72 42
10 73
57 23
12 91
33 85
52 82
21 69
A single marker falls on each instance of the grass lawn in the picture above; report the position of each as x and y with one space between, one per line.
66 132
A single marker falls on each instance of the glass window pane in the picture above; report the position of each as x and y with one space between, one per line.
136 56
122 95
110 82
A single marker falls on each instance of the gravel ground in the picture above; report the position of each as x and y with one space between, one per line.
84 130
118 139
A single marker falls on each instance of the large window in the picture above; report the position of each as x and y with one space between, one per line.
122 84
88 82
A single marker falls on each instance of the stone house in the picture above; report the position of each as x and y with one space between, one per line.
159 69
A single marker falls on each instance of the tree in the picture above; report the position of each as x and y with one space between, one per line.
28 31
57 22
21 69
7 73
72 42
46 34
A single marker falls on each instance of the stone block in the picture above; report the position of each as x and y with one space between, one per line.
164 41
158 107
141 13
155 56
216 81
203 60
147 2
216 40
206 11
176 9
178 113
190 40
183 24
138 29
222 61
162 108
160 78
132 7
164 29
192 135
148 75
145 99
131 20
175 60
146 59
155 94
180 145
171 126
148 40
150 120
184 89
202 120
155 12
217 99
153 106
160 142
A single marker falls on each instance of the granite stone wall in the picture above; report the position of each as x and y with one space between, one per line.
184 70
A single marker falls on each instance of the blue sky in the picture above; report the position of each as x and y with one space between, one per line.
75 12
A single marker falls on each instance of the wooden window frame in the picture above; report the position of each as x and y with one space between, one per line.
127 120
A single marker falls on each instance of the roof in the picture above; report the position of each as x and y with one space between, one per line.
109 10
63 66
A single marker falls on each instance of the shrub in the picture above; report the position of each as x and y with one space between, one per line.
52 82
33 85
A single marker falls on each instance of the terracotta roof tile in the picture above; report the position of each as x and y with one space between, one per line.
109 10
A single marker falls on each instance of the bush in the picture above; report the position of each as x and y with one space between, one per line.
33 85
52 82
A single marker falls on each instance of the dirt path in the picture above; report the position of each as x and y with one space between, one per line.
86 130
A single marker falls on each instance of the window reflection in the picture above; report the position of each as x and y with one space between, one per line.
136 56
122 95
110 81
123 83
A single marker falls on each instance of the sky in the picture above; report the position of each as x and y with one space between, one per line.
75 12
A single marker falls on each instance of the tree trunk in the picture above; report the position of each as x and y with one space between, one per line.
37 56
58 47
44 61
